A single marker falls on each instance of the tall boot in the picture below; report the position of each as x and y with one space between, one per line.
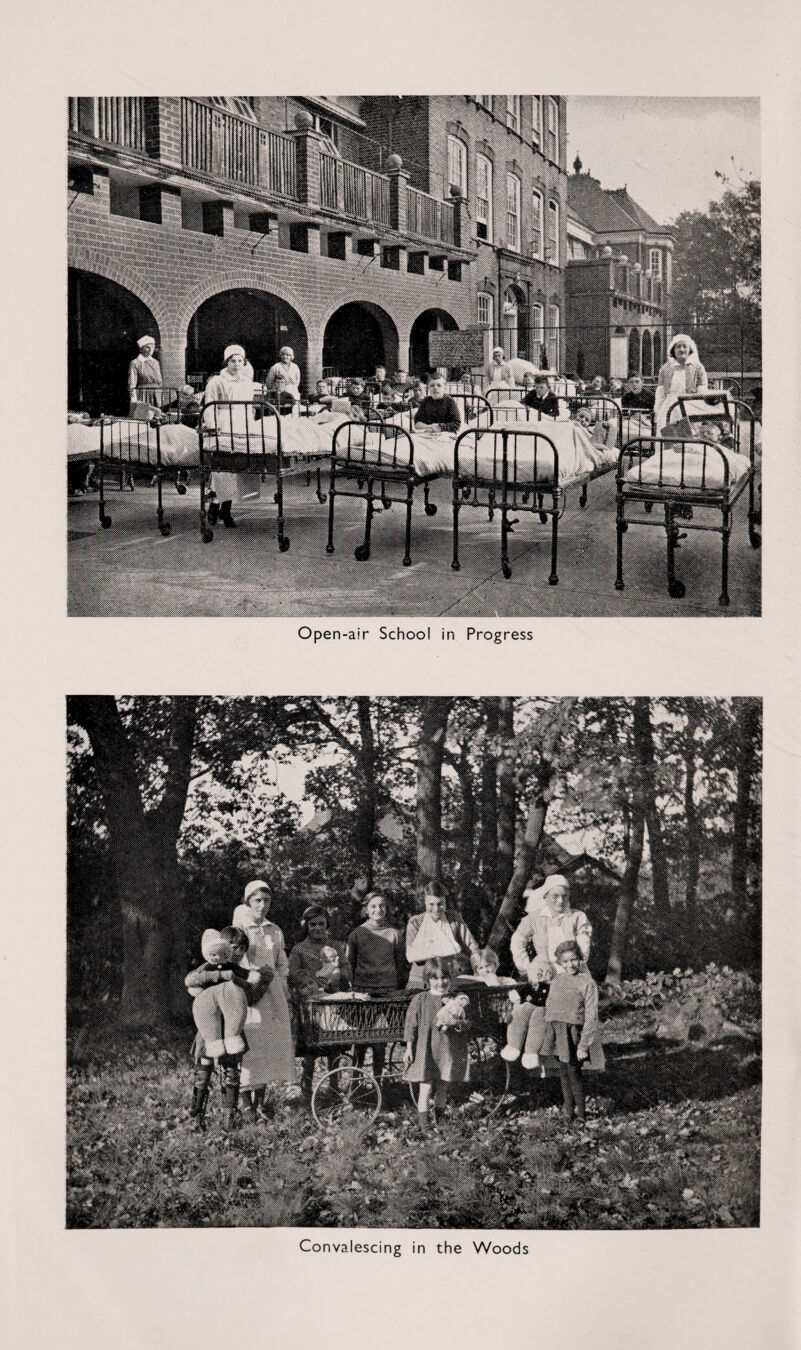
226 517
201 1082
230 1090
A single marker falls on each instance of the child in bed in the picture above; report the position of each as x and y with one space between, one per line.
435 1054
603 434
571 1026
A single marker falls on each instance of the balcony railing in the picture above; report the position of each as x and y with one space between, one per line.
118 120
223 145
353 190
430 218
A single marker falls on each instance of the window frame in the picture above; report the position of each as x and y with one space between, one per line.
513 178
552 342
553 241
656 272
513 111
458 143
538 222
484 101
538 328
551 107
536 121
489 298
488 222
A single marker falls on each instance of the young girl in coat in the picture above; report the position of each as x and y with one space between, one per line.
436 1039
571 1024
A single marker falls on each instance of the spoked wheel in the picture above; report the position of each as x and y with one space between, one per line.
345 1091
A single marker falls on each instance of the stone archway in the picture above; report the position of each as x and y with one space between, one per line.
358 337
258 320
647 353
104 322
429 321
634 351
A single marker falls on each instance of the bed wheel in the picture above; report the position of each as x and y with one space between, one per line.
431 508
506 569
165 528
105 521
623 527
755 538
321 497
283 545
362 553
386 502
676 590
207 535
620 586
180 488
329 548
649 506
456 567
543 515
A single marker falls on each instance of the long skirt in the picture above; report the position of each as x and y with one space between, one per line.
271 1056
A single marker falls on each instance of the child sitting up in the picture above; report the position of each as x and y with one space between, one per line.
526 1031
436 1040
571 1018
222 990
539 396
603 434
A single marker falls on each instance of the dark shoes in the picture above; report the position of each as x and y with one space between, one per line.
226 517
213 513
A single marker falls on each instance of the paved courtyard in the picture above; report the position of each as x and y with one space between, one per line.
131 570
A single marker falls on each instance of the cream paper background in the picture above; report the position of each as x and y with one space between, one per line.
190 1288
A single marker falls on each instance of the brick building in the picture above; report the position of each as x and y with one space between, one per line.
618 281
347 227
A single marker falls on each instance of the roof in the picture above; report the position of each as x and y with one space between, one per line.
607 211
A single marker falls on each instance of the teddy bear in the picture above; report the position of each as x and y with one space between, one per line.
452 1016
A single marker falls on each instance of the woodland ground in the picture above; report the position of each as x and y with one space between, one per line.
671 1141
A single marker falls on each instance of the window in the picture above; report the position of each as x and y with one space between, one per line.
552 343
552 251
536 225
484 101
484 309
513 112
536 120
457 164
483 197
513 212
537 334
655 255
240 106
552 130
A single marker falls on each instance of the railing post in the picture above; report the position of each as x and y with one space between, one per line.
398 195
308 144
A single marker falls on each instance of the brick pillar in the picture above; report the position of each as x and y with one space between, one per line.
314 359
101 190
460 222
163 129
160 204
218 217
308 144
398 196
172 358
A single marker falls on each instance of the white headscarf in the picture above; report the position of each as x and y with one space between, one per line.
538 898
692 350
233 350
146 342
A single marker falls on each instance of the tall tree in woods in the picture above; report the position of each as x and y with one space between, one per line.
360 745
507 802
693 826
434 714
488 844
747 722
644 757
546 744
143 846
635 840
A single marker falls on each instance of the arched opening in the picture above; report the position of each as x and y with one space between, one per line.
260 322
647 354
657 352
430 321
104 322
634 350
514 323
358 337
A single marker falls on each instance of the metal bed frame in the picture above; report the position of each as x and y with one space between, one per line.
680 499
226 450
520 490
117 450
374 471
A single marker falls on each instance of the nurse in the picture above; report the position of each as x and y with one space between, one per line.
232 385
144 374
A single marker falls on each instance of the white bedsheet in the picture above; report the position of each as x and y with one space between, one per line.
578 456
669 471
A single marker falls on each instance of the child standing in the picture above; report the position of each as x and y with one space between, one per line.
435 1055
375 954
571 1017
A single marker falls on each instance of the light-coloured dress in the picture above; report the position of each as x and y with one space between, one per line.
544 931
228 388
291 378
144 373
271 1055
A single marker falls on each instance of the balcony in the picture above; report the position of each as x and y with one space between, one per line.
118 121
430 218
222 145
353 191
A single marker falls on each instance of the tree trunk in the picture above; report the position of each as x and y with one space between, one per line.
506 796
628 886
467 821
644 755
488 845
143 853
746 711
507 918
433 728
693 830
367 793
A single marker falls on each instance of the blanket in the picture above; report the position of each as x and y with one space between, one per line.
693 470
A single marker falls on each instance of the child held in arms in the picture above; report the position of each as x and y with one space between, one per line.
571 1026
222 990
525 1033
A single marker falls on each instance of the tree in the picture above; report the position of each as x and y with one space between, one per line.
433 727
644 756
488 845
507 801
747 717
143 844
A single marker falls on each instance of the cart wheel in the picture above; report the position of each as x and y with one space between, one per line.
393 1064
105 521
165 528
362 553
506 569
676 589
180 488
431 508
345 1091
283 545
649 506
207 536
